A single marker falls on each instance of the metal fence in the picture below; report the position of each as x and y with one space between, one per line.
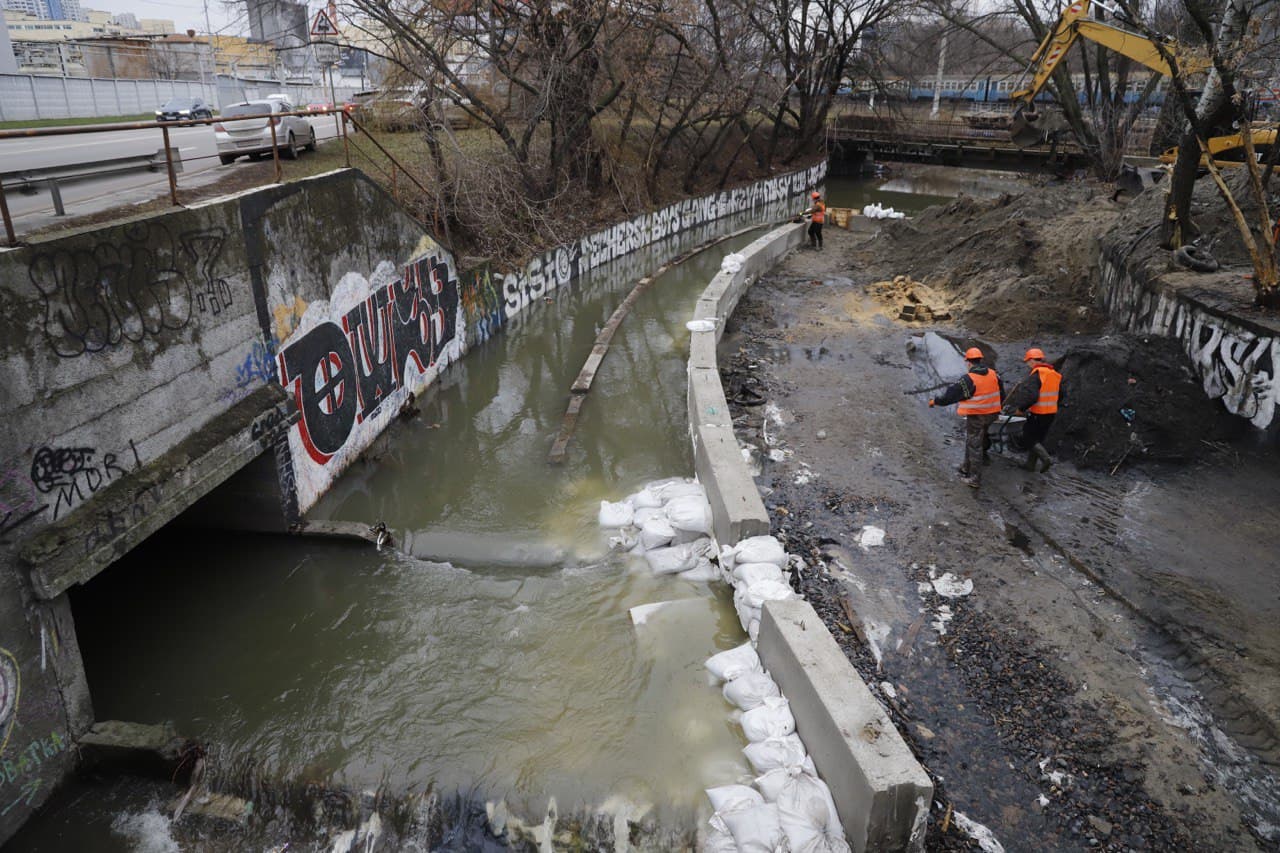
27 97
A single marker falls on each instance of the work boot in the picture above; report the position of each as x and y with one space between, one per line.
1031 461
1046 461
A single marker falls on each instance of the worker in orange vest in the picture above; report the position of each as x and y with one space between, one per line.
1038 395
979 395
817 213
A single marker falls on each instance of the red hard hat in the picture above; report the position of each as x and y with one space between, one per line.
972 353
1034 353
817 195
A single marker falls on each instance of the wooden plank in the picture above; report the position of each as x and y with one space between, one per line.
560 447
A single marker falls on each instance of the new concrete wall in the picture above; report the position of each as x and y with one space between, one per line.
880 790
1236 357
145 363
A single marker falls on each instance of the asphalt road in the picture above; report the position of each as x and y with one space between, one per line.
195 144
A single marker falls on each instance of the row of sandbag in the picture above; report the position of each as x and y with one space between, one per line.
668 522
754 568
876 211
790 808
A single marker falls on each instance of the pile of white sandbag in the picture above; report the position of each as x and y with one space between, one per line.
668 522
789 808
875 211
754 568
732 262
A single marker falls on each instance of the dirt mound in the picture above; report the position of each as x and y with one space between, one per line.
1008 268
1129 398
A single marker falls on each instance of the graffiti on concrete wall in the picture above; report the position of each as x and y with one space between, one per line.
482 305
59 478
1236 365
141 285
355 358
10 693
559 266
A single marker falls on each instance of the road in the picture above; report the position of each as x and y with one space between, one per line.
195 144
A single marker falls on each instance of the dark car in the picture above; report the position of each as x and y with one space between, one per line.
184 109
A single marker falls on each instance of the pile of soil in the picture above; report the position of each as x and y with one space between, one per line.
1013 267
1129 398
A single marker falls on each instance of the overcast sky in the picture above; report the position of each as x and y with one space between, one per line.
225 18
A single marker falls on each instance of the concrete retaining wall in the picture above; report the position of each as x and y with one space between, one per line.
1236 357
881 791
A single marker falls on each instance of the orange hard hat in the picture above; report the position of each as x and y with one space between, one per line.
1035 353
817 194
972 353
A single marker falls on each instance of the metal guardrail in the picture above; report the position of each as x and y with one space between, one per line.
50 177
171 164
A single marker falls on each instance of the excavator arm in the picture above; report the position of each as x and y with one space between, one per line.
1073 24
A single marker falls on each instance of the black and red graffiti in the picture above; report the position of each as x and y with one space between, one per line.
340 374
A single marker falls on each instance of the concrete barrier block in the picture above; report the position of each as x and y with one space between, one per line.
880 790
736 507
707 403
702 351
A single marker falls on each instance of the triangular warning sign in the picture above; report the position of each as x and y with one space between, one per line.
323 25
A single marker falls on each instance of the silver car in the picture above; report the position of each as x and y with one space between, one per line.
253 136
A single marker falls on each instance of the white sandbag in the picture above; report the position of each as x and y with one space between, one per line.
644 499
684 537
771 718
718 840
760 549
746 613
671 561
615 515
701 325
690 512
749 690
760 592
656 533
732 663
757 829
775 752
805 808
733 262
683 489
733 798
753 630
750 573
704 572
644 514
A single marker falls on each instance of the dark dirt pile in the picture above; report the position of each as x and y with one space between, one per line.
1130 398
1007 268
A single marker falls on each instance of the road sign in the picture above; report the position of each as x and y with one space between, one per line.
326 53
323 25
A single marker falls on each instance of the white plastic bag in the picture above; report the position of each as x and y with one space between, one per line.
749 573
751 689
689 512
777 752
732 663
757 829
771 718
656 533
760 549
615 515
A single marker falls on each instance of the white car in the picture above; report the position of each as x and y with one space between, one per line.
253 136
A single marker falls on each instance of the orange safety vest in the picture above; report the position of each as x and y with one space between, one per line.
986 395
1050 383
819 212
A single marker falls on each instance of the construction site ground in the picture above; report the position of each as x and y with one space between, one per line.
1110 680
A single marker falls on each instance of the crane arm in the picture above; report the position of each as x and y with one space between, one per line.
1075 23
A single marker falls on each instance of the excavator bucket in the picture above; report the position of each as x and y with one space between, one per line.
1026 128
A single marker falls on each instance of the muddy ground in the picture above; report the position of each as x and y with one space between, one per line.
1111 682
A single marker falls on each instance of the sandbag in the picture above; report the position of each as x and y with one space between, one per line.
733 798
776 752
753 630
672 491
615 515
644 514
703 572
760 549
670 561
746 613
805 808
718 840
731 663
691 512
757 829
771 718
758 593
749 573
656 533
646 498
750 690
